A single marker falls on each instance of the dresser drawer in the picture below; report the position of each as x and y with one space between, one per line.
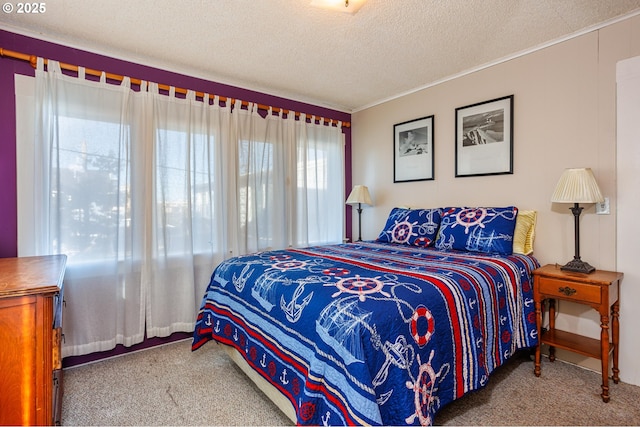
575 291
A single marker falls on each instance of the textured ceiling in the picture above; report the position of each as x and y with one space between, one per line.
291 49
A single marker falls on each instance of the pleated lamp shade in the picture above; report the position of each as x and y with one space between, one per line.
577 185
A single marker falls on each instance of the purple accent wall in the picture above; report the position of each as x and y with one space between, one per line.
32 46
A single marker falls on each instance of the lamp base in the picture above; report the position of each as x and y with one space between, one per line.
578 266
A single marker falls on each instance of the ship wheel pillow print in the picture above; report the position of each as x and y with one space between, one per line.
488 230
415 227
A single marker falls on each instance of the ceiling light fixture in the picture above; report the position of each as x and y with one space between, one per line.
345 6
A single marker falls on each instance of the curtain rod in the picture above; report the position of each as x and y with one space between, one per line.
32 59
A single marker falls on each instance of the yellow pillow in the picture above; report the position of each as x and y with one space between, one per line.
524 232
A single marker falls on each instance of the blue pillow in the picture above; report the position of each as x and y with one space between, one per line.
416 227
478 229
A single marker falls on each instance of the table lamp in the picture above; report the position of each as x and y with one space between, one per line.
577 185
359 195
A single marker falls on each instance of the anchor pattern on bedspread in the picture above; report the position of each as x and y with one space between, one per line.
370 333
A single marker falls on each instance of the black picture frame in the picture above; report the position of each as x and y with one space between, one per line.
413 150
484 138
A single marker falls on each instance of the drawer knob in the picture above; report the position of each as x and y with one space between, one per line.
567 290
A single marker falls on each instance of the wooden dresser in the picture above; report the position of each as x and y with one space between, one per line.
30 340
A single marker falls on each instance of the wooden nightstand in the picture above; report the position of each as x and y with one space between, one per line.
599 290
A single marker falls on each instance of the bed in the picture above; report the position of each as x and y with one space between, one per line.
382 332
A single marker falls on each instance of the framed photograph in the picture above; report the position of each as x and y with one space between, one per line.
413 150
484 138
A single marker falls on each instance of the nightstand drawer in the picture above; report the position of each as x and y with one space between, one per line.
579 292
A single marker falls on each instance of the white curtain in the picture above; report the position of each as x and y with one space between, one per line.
83 190
146 193
290 181
320 183
188 192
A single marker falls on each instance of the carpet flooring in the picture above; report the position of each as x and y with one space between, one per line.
170 385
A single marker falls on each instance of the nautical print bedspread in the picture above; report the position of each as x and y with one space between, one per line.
371 333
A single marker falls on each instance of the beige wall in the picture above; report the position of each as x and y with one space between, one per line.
564 116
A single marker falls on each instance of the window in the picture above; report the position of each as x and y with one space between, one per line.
146 193
89 208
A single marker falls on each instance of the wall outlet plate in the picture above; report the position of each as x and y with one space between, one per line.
602 208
